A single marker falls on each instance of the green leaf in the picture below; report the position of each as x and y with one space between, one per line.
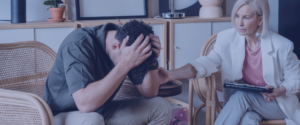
51 3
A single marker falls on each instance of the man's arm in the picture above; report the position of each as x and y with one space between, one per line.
150 86
94 95
97 93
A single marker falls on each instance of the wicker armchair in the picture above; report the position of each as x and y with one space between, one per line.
24 67
206 89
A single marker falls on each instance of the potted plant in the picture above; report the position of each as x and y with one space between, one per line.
56 9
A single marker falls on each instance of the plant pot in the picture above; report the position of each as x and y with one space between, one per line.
210 9
57 13
51 20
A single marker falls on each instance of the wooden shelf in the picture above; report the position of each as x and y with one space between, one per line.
8 25
196 19
85 23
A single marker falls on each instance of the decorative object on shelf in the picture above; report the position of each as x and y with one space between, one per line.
186 6
66 3
111 9
173 14
210 9
18 11
57 10
149 8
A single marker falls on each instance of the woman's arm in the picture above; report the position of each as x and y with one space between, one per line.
291 75
185 72
202 67
291 72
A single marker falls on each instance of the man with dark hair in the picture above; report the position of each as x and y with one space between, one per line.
134 29
89 69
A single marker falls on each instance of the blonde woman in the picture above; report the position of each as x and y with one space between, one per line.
250 52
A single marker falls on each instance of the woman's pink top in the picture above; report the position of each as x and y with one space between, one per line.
252 70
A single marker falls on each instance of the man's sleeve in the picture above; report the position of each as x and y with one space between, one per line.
79 65
136 78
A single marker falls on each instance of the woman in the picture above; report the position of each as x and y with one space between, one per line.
250 52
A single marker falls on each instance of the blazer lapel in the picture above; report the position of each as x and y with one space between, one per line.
267 52
237 56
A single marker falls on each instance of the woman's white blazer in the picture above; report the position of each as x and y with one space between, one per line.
280 67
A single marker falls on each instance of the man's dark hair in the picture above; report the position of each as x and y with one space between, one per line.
134 29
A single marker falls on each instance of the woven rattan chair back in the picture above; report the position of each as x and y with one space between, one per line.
24 66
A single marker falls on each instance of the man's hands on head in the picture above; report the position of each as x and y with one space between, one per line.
156 43
134 55
93 96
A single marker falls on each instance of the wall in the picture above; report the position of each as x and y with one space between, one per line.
36 11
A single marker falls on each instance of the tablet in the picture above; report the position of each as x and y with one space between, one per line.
247 87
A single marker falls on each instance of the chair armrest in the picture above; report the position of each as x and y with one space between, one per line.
206 89
23 108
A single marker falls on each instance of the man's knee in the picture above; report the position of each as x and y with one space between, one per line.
78 118
250 118
92 118
163 106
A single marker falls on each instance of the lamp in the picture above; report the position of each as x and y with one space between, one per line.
173 14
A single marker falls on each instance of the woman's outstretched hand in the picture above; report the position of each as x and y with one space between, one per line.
164 75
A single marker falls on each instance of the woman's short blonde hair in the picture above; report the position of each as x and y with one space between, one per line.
260 8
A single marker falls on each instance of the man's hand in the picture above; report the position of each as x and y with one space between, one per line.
156 43
135 54
164 75
277 92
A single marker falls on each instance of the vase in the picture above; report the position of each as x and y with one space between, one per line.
57 15
18 11
210 9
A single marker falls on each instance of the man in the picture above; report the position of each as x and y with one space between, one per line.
89 69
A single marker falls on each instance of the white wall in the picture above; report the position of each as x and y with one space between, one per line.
5 10
36 11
